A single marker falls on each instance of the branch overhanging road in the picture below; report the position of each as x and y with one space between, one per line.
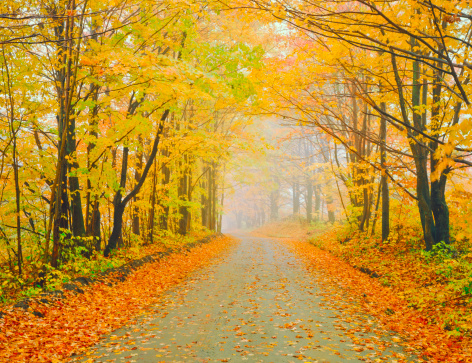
257 304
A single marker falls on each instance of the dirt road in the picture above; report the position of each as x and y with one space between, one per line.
257 304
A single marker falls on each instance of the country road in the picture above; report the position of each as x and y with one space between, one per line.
258 303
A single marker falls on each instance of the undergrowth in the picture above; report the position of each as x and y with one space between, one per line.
38 277
437 283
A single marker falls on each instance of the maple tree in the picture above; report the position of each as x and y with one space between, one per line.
408 74
126 123
121 116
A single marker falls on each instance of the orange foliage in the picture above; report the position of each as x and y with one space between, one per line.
78 321
422 331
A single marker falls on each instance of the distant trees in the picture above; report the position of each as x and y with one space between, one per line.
292 179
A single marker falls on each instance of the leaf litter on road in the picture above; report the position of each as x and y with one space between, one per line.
366 295
77 322
258 304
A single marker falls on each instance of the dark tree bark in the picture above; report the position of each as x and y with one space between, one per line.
95 225
137 176
77 216
183 195
119 203
164 217
92 206
383 178
14 133
438 177
211 199
63 215
204 203
420 154
189 198
59 199
220 216
213 213
153 206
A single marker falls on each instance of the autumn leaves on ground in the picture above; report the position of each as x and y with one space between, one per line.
415 294
79 321
230 301
131 130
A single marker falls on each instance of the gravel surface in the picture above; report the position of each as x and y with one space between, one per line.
258 303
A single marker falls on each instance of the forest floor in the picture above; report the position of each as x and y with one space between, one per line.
258 303
423 296
69 326
15 288
251 299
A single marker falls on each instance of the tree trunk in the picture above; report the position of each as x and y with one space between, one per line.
296 198
77 216
309 200
220 217
438 178
137 176
214 211
164 217
65 80
365 208
92 209
419 152
118 207
204 204
13 133
383 178
210 195
120 204
189 199
183 195
331 216
95 225
150 238
118 212
440 210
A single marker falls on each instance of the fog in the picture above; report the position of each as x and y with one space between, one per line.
292 178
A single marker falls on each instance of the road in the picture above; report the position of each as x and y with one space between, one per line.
258 303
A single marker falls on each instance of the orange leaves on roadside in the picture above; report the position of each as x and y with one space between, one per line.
421 336
77 322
